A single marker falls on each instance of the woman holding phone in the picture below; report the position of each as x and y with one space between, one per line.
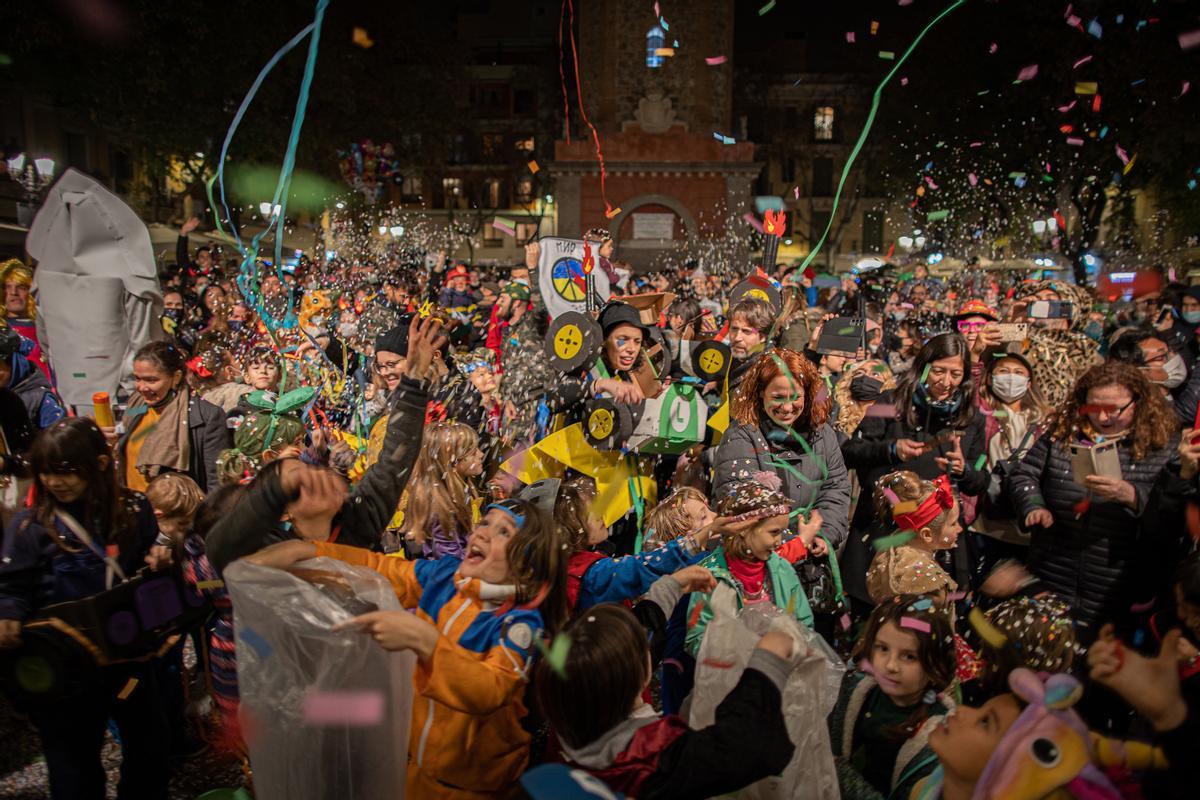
928 424
1087 537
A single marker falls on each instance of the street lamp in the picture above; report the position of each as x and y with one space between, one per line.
33 177
396 230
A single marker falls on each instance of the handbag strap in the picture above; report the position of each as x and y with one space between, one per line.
1014 456
111 566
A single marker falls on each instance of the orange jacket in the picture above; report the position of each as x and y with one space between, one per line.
466 736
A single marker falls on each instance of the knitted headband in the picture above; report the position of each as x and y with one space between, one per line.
763 513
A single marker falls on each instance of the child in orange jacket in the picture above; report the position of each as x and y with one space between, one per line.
473 632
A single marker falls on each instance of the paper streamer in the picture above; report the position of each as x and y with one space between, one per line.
713 61
912 623
248 271
986 630
862 137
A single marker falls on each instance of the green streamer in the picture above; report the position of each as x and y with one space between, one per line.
862 138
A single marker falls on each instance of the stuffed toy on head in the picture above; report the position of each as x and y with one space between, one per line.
1047 751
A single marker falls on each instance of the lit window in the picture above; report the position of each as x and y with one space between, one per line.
452 191
656 38
526 145
411 189
493 188
823 124
524 190
491 144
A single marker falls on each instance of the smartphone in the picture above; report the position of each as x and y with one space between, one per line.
1049 309
1098 459
1013 331
840 336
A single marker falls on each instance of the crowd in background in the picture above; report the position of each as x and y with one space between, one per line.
979 491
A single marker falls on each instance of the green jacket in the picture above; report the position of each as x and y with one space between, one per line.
786 592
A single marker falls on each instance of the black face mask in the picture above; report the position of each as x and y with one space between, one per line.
864 388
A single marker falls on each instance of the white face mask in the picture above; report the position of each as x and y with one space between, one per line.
1010 387
1176 371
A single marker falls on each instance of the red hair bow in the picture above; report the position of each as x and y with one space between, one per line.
942 499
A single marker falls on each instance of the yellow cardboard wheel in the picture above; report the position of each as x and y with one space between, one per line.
572 341
711 360
568 342
608 423
600 423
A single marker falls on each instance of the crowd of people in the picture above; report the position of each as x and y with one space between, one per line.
977 495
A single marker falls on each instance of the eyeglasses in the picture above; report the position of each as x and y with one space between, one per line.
1107 408
391 366
966 325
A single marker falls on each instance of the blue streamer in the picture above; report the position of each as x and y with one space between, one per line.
248 281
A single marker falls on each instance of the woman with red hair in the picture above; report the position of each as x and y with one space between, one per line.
783 440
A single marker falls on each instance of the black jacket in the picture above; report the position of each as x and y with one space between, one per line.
1089 554
871 452
254 522
208 434
18 433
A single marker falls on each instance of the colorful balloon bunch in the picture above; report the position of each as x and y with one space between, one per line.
366 167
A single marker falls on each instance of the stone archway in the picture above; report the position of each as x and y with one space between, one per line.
634 203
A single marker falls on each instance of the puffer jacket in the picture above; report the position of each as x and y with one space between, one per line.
466 738
1090 553
746 454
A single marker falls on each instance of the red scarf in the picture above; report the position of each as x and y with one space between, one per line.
750 574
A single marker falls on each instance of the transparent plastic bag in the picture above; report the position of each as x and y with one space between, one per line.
808 697
325 713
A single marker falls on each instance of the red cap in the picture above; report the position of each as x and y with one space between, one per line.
458 272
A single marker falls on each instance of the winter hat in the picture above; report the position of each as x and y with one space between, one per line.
395 340
615 314
749 500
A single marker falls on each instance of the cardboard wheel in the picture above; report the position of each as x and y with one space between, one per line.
49 666
756 289
607 423
711 360
661 358
572 341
